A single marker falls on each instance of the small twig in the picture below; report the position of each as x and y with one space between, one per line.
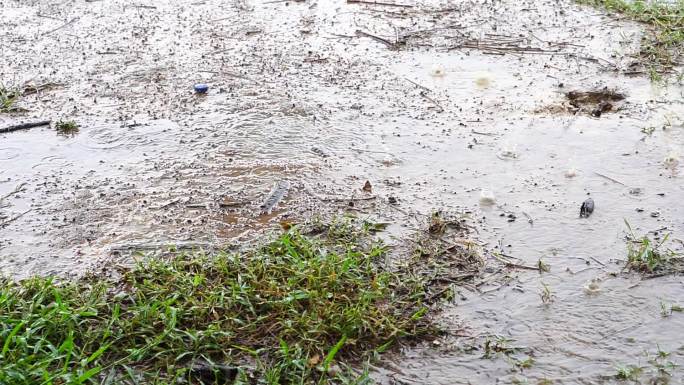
7 222
62 26
418 85
24 126
597 261
482 133
378 3
196 206
167 204
529 218
17 189
377 38
609 178
335 199
423 94
513 264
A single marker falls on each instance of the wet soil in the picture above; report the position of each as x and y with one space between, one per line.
457 106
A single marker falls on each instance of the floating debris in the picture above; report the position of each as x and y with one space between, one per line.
487 198
367 187
571 172
201 88
587 208
483 79
508 152
437 71
602 107
320 152
281 188
593 287
578 98
671 161
596 102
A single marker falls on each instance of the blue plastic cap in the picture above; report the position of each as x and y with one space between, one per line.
201 88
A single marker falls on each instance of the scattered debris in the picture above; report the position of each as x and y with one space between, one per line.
367 187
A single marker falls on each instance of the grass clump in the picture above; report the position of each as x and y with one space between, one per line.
649 256
67 128
288 312
662 46
8 96
658 371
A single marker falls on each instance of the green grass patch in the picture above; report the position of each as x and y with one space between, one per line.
8 96
292 311
658 370
651 256
67 128
661 47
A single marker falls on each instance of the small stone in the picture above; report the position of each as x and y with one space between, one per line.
587 208
201 88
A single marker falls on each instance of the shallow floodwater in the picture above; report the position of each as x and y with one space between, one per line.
451 99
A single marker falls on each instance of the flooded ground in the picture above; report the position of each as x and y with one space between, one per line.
457 106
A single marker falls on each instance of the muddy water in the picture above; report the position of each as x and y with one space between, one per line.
297 94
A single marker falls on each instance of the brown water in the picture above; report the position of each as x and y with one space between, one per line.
295 94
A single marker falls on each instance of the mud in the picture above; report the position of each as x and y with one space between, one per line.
436 104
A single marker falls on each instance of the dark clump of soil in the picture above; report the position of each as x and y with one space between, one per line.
593 97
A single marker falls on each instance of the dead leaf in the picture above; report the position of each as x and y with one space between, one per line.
314 360
367 187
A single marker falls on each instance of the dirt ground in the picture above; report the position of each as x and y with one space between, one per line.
441 105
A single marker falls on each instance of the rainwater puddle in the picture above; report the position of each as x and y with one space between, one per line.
433 104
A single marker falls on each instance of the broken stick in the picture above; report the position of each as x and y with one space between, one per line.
24 126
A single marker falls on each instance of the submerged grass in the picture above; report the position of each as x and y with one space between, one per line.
283 313
662 45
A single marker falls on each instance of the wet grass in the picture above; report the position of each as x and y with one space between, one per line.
662 46
289 312
8 96
651 256
67 128
659 369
